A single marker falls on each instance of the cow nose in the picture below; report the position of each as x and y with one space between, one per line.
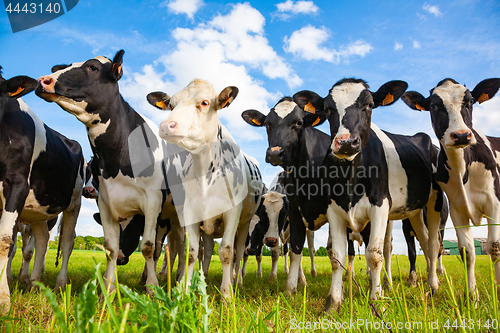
250 251
89 192
274 155
346 144
47 83
461 138
271 241
168 128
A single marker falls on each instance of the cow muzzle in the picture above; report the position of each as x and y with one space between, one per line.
274 155
461 138
251 251
89 192
271 241
346 145
47 84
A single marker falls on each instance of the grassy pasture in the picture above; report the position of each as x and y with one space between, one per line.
261 306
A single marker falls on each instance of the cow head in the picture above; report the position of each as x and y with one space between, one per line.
274 207
256 232
91 186
450 105
348 107
87 89
285 124
193 121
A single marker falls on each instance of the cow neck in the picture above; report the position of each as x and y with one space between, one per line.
314 147
111 146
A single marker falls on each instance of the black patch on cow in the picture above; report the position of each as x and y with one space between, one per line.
439 116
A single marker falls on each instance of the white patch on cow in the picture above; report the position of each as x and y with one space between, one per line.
40 135
284 108
452 95
253 223
54 76
398 181
273 203
97 130
344 96
103 60
33 211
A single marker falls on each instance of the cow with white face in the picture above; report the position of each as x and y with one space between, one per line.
41 175
222 185
399 185
133 161
468 164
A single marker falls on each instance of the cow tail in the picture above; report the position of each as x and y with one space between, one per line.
59 242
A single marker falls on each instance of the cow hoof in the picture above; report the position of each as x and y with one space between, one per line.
259 274
302 281
387 283
289 289
4 305
272 277
412 279
314 273
440 270
330 304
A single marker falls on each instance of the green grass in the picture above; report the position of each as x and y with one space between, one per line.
261 306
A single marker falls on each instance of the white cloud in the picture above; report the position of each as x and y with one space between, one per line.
432 9
188 7
486 116
398 46
416 44
222 51
306 43
290 7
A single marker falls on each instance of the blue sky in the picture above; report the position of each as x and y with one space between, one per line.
268 49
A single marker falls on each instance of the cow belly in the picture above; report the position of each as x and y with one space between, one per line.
34 212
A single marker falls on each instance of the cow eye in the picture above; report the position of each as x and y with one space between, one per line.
204 103
93 68
433 107
299 123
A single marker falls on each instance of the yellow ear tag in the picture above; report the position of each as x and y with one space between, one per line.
483 98
18 91
225 103
388 99
316 122
309 108
255 121
419 107
120 68
161 105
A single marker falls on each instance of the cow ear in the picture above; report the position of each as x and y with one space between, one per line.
18 86
311 119
415 101
226 97
309 101
254 117
117 69
159 100
485 90
389 93
58 68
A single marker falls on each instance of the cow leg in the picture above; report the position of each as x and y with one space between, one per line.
388 254
493 245
208 248
412 251
434 244
310 245
351 254
193 231
28 250
15 194
259 264
226 252
337 255
240 249
111 229
297 238
275 255
466 242
422 233
375 248
172 253
244 265
285 255
41 235
149 237
68 224
12 253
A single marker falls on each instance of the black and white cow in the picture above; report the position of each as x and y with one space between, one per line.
133 161
401 186
359 174
468 164
41 175
222 184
